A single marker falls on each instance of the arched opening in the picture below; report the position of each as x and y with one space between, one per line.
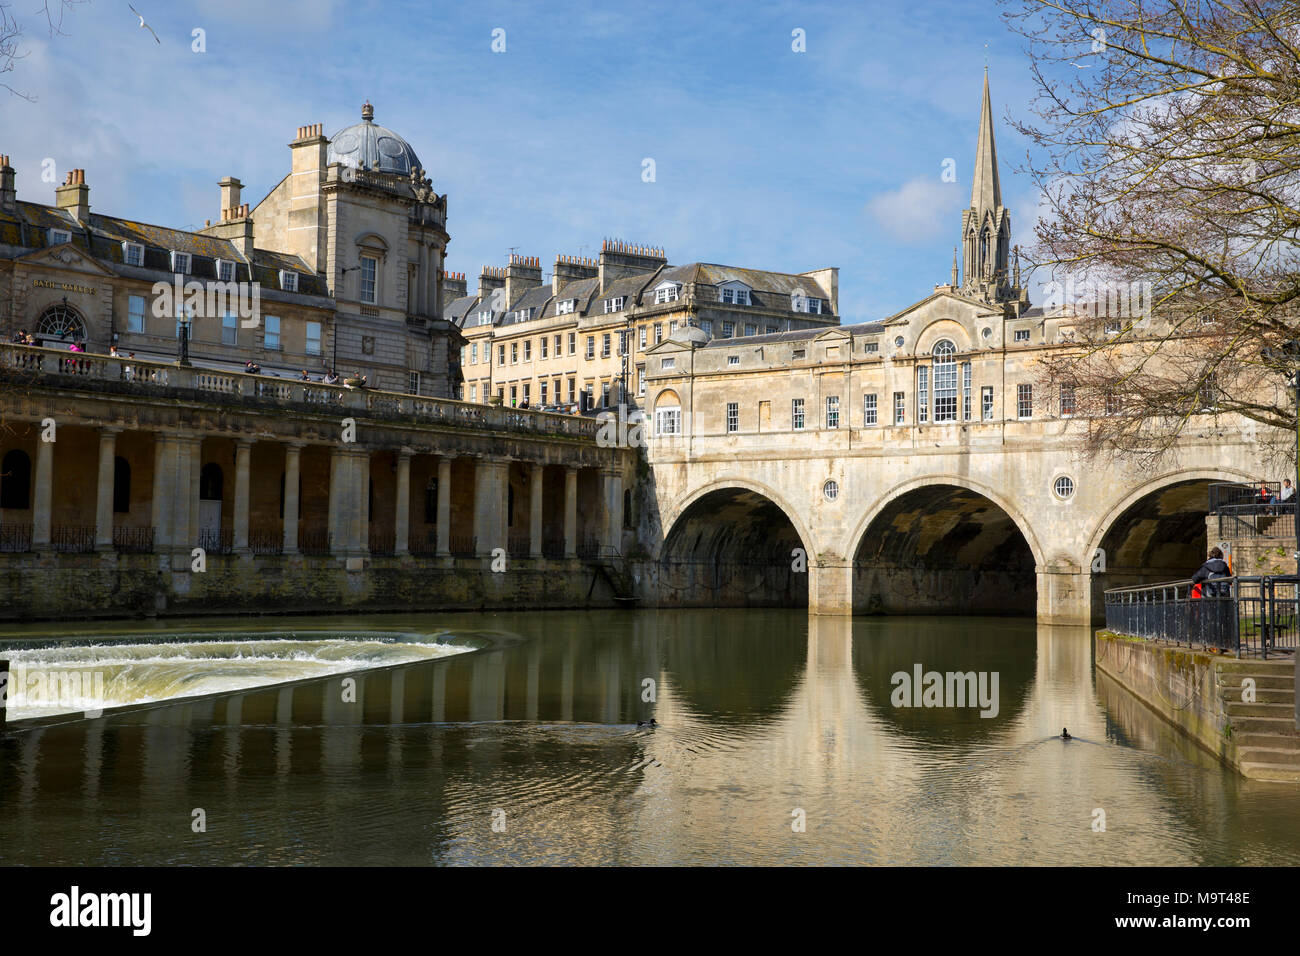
734 548
944 549
1160 537
16 480
61 322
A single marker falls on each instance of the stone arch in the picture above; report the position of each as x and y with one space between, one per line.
944 544
1156 532
734 543
854 540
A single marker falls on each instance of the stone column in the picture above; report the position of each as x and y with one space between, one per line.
333 524
164 465
491 476
362 484
243 459
181 494
444 507
43 495
570 512
192 491
104 489
292 470
402 518
611 510
535 473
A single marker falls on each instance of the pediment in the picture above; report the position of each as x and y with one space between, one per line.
65 257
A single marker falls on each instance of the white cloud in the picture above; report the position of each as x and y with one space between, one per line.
917 211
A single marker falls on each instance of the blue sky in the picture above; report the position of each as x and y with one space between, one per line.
764 157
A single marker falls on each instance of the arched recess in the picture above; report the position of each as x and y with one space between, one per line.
1156 533
944 545
734 543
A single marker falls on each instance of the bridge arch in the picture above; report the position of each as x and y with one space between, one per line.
732 543
1155 532
944 544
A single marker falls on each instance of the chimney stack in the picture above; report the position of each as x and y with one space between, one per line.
8 192
489 280
230 189
523 272
570 269
619 259
236 225
74 195
308 151
454 286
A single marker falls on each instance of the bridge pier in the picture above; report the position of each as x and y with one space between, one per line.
830 586
1064 596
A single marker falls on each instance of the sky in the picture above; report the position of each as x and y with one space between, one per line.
763 157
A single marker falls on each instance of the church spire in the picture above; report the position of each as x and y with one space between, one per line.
986 193
986 225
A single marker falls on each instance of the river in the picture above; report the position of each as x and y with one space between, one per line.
513 738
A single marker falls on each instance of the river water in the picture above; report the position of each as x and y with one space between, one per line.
513 738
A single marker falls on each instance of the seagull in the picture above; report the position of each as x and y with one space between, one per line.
143 25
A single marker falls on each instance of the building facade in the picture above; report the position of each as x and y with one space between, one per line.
338 267
578 338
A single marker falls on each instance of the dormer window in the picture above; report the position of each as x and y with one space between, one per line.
133 253
485 318
523 315
667 292
225 270
59 236
565 306
181 263
288 280
734 293
615 304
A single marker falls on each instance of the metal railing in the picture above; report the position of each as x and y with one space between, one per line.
463 545
15 538
1242 615
382 541
1258 520
133 540
217 540
518 545
73 539
1239 497
425 546
266 540
313 541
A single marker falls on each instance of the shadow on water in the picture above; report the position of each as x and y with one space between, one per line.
527 750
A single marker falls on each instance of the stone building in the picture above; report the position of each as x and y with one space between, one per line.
574 339
340 265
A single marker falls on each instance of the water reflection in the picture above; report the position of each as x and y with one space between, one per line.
761 714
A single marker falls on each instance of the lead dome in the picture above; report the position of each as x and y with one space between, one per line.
367 145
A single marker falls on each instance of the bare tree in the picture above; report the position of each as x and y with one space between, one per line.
1168 159
11 36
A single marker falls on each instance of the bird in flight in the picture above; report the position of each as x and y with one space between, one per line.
143 25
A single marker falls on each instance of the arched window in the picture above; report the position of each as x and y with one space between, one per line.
945 382
210 482
627 509
16 480
121 485
984 269
61 322
668 413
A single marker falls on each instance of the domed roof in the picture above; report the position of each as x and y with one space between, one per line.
690 335
366 145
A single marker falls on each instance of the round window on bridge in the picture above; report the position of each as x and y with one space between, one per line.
831 490
1063 487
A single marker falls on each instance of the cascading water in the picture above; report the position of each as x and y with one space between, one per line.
70 678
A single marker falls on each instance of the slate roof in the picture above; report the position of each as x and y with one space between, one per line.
535 298
798 335
29 229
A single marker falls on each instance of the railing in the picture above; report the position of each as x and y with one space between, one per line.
15 538
426 546
1243 615
73 539
382 542
588 548
313 541
146 374
217 540
266 540
553 548
1258 520
463 545
518 545
133 540
1239 497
